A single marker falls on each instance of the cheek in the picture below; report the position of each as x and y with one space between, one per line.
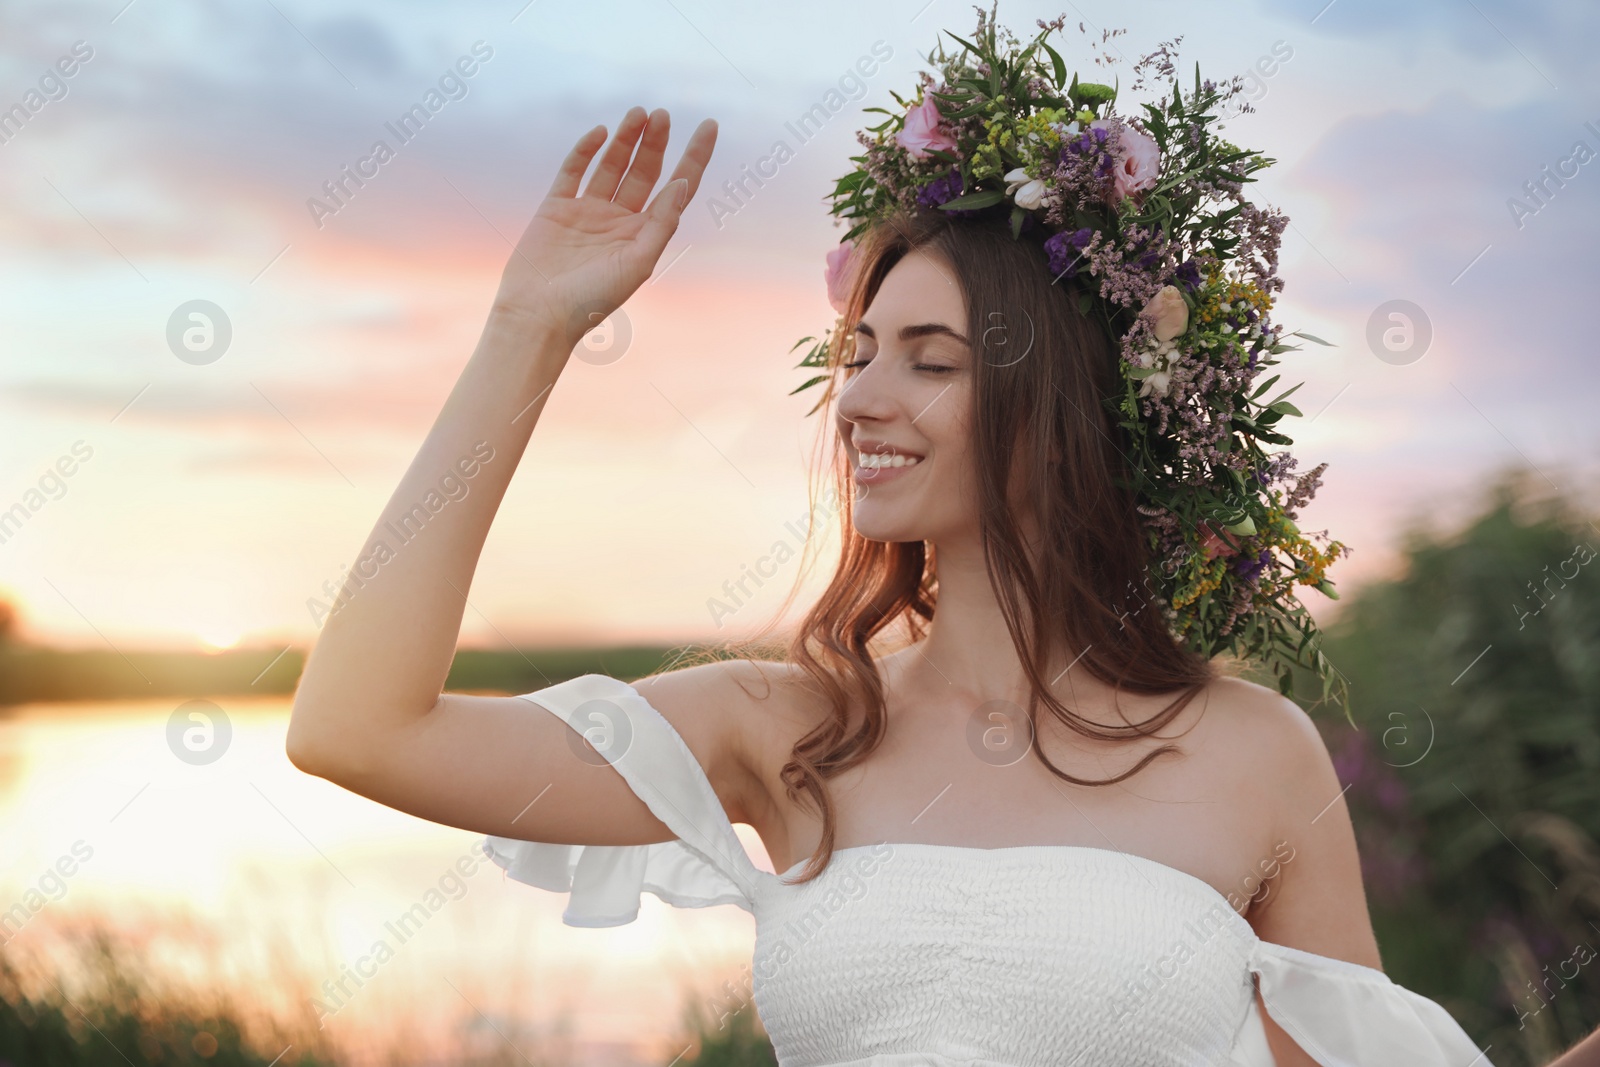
943 417
950 443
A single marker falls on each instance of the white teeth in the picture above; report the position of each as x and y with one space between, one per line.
878 460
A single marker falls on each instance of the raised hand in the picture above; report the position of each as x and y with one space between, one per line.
582 256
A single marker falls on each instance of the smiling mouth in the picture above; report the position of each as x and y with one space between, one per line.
873 468
886 460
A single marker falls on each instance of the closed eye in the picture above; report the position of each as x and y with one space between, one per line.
934 367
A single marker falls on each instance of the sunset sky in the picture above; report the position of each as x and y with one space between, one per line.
209 501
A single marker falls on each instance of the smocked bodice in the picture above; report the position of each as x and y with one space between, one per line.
940 955
978 954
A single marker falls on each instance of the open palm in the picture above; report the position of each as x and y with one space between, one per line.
583 255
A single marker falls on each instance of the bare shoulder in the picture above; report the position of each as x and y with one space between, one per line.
1278 736
1254 744
1318 901
729 712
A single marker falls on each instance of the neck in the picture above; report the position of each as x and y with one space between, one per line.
968 650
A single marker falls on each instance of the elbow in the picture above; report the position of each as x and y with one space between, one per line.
307 749
303 754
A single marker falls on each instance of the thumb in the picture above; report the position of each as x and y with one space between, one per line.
662 217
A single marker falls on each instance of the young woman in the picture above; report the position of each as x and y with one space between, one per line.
1160 871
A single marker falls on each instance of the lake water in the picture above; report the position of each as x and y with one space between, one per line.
247 875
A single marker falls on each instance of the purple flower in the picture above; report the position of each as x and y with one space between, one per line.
941 189
1089 140
1064 248
1248 567
944 189
1189 274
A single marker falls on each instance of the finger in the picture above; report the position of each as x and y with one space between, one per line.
641 177
660 223
696 154
577 161
603 182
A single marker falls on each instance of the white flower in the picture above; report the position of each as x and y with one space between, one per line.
1158 357
1027 192
1071 129
1158 383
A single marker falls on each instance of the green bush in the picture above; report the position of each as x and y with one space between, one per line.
89 1008
731 1038
1475 680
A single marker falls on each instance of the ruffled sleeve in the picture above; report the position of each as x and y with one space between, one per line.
704 865
1346 1015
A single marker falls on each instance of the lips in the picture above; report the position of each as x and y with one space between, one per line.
879 460
872 447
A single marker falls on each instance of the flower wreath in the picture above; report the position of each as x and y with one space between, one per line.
1147 213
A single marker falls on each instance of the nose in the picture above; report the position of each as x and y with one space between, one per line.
866 394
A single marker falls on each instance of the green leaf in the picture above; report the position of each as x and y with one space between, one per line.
1283 407
1285 395
966 113
1017 215
1265 386
1310 337
1055 61
972 201
850 181
808 384
974 49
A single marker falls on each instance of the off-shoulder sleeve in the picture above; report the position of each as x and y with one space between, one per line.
704 865
1346 1015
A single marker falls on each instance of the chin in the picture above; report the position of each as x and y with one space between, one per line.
885 524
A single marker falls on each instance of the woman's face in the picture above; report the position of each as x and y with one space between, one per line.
907 400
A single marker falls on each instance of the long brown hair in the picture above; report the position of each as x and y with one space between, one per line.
1041 371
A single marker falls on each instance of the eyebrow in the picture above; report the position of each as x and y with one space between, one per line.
911 333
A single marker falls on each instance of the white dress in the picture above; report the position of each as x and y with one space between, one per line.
950 956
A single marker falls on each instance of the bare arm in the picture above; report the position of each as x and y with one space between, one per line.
1320 904
369 712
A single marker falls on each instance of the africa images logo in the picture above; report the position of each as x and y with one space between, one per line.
452 85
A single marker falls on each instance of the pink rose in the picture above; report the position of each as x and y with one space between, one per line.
924 131
1140 163
840 274
1167 314
1214 542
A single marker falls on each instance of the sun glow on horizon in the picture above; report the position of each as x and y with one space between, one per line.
219 638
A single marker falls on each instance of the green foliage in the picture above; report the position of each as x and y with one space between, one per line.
32 675
105 1014
726 1039
1477 769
